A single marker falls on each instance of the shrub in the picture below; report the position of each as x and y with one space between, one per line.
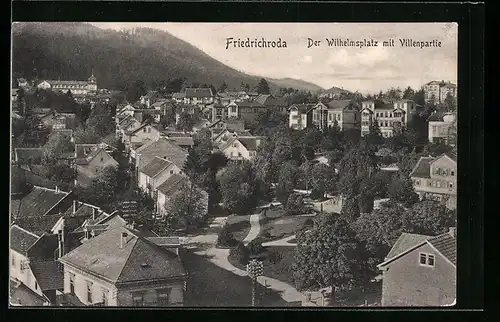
225 238
316 195
239 253
308 222
295 205
274 256
255 247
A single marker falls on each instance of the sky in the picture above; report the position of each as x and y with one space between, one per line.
367 69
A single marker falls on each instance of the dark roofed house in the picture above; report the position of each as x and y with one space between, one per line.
240 148
198 96
150 98
162 147
42 202
420 270
21 295
153 174
300 116
122 261
182 141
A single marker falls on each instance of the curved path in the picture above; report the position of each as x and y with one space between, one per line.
220 258
281 242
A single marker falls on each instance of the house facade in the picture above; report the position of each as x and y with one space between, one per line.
343 112
76 87
248 111
120 267
391 117
196 96
155 173
437 91
436 179
441 127
150 98
90 160
300 116
240 148
420 270
140 133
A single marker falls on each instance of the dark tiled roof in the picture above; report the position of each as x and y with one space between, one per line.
172 184
21 240
422 168
436 117
338 104
155 167
138 259
22 295
150 94
38 225
83 150
162 148
49 274
433 83
270 100
250 143
405 242
164 241
250 104
302 108
182 141
18 176
39 201
446 245
198 92
29 155
179 95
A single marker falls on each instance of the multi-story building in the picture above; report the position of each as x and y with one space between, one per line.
120 267
391 117
196 96
300 116
75 87
239 148
437 91
248 111
441 126
343 112
153 174
420 270
436 179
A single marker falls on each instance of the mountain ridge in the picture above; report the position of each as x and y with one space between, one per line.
69 50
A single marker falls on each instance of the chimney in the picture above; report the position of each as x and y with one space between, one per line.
60 240
86 231
57 189
74 207
123 239
453 232
93 213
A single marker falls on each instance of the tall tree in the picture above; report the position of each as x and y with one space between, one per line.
223 87
263 87
401 190
239 187
358 164
408 93
328 255
428 217
450 103
135 91
57 145
323 179
187 207
287 180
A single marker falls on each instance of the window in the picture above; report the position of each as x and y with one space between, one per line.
36 285
163 299
102 159
138 300
105 294
89 292
452 173
438 184
450 185
144 130
171 171
72 283
417 182
426 259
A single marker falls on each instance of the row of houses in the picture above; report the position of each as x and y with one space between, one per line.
69 253
437 91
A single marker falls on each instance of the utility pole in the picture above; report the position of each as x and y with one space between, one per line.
255 269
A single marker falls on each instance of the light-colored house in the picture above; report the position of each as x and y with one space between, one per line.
391 117
153 174
140 133
59 121
420 270
440 127
90 160
120 267
150 98
169 188
344 112
179 97
272 102
196 96
76 87
300 116
163 148
437 91
436 179
240 148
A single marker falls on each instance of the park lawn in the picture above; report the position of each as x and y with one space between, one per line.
281 270
275 225
239 226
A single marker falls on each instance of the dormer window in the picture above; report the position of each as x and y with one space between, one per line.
426 259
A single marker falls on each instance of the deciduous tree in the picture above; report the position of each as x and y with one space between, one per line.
401 190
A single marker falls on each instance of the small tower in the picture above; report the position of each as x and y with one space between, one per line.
92 78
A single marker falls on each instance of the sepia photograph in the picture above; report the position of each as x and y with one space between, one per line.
233 164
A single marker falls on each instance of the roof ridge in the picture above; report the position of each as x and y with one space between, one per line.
26 231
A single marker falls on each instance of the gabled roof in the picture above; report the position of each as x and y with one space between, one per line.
162 148
159 103
150 94
182 141
22 295
433 83
270 100
179 95
445 244
39 201
302 108
422 169
198 92
215 123
172 184
48 244
38 225
48 274
155 167
250 143
339 104
165 241
21 240
136 260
